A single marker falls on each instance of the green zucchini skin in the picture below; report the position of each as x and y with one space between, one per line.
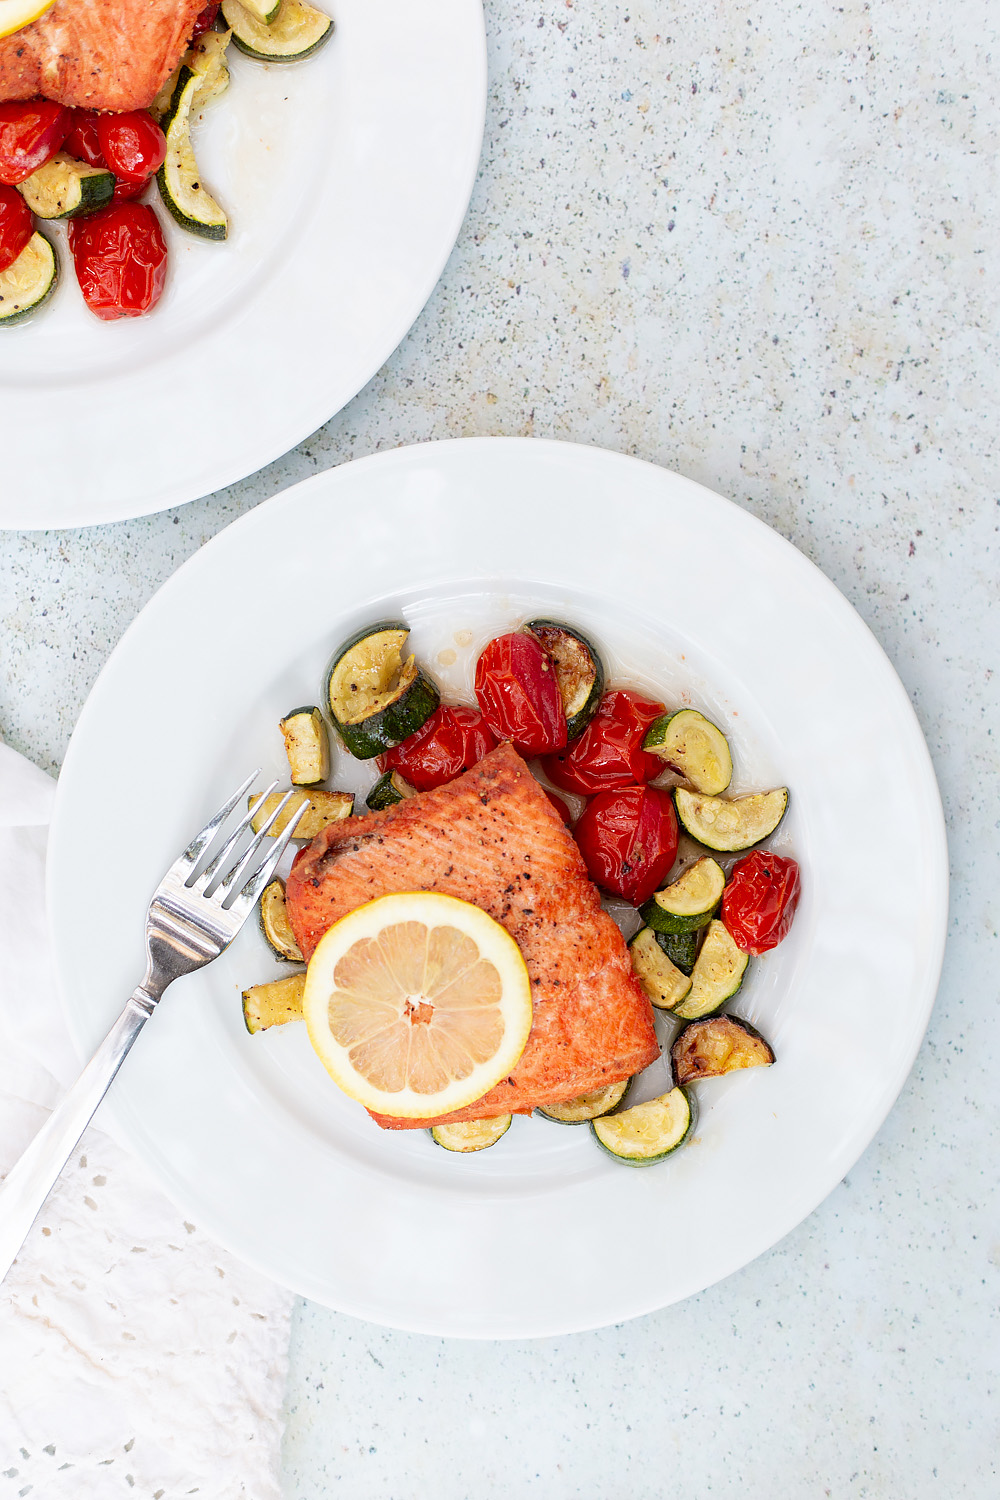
398 720
176 126
680 947
671 1143
577 721
385 792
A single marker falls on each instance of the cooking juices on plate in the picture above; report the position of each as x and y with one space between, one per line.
412 1001
120 108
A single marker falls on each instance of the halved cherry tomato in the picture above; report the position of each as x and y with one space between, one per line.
519 695
30 134
133 145
452 740
84 144
561 807
628 840
759 902
205 19
16 226
120 257
609 752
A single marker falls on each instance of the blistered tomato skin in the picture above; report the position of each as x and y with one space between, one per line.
16 226
205 19
30 135
132 144
83 143
609 753
517 690
120 257
628 840
759 902
451 741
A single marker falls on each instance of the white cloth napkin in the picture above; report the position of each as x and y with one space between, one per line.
137 1358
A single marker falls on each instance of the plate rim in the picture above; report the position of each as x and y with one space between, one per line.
29 514
936 829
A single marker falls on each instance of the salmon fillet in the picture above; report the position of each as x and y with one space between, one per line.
492 837
102 54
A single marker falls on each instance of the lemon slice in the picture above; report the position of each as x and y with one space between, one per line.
417 1004
17 13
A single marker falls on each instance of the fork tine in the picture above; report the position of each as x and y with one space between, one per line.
201 840
236 873
210 871
247 897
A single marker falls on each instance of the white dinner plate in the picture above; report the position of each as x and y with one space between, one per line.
686 594
346 178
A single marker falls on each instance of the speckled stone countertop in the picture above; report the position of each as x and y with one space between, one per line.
757 247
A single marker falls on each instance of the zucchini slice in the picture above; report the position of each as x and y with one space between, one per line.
680 947
307 745
275 925
324 808
273 1004
579 672
264 11
471 1135
587 1106
694 746
388 790
375 696
690 902
207 58
29 282
647 1132
295 30
179 179
712 1048
718 973
730 824
63 188
664 983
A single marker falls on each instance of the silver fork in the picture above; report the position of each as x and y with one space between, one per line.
192 918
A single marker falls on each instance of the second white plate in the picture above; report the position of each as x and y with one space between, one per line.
685 593
346 178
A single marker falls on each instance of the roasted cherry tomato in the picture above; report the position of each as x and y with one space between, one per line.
30 134
82 141
205 20
609 752
16 226
120 257
759 902
133 145
628 840
561 807
451 741
519 695
84 144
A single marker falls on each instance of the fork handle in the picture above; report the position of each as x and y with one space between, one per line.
32 1177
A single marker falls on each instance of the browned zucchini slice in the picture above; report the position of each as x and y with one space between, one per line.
275 925
324 808
274 1004
307 745
719 1045
579 671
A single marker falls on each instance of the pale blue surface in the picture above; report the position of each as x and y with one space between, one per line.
756 248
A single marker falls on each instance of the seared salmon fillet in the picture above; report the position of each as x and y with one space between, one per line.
492 837
102 54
